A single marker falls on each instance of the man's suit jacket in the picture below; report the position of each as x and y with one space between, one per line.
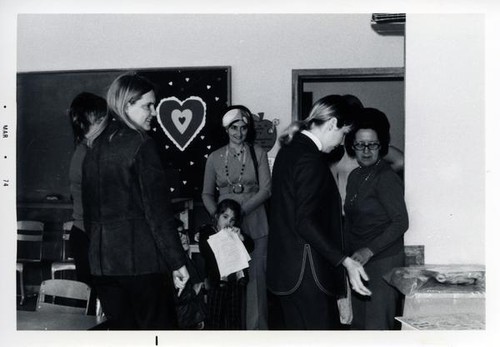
306 221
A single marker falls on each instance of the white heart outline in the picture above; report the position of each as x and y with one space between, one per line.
196 132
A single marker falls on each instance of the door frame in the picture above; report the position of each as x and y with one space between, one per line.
301 76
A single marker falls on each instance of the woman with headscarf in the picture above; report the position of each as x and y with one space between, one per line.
240 171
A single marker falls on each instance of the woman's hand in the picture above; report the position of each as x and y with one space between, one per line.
356 276
180 276
362 255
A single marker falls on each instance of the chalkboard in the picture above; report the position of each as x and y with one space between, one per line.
45 139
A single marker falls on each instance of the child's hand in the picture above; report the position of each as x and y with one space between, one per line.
237 231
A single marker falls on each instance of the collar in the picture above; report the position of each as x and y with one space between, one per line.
314 138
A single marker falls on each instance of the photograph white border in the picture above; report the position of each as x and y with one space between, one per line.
8 28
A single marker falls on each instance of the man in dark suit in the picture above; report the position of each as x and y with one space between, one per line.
306 265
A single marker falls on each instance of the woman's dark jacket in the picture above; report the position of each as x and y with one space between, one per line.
306 225
211 267
127 209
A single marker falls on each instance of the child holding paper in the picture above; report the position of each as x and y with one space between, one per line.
226 294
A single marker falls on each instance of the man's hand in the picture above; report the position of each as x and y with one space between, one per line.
362 255
180 276
356 276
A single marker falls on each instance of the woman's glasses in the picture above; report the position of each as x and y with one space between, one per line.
373 146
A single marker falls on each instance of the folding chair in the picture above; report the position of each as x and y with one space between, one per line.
65 296
29 248
67 262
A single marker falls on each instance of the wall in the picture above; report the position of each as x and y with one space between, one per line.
261 49
444 87
444 171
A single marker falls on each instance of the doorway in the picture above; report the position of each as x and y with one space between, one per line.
380 88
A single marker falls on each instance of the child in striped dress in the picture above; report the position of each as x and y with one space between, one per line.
226 295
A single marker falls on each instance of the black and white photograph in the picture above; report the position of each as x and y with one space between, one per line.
185 174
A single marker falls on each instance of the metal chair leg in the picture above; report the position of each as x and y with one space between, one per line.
21 287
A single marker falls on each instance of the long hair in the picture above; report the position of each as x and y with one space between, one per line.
127 88
85 109
353 101
322 111
355 106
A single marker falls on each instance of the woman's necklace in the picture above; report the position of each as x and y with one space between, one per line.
237 154
237 187
351 201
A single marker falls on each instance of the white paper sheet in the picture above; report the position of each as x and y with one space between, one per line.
229 251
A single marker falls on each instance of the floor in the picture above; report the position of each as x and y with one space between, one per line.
29 303
275 316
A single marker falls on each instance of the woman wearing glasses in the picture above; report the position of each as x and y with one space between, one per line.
342 163
376 220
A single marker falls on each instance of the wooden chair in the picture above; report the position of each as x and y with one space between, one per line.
66 296
67 262
29 248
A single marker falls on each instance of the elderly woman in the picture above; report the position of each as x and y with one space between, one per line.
343 162
240 171
376 220
134 245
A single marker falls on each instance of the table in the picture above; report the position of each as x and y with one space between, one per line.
442 297
461 321
444 302
34 320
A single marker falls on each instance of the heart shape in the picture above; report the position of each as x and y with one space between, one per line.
182 120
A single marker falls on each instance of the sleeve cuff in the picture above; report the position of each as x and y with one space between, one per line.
341 261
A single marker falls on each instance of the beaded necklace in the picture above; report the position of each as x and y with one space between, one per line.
351 201
237 187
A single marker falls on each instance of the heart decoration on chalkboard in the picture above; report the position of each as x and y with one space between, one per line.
181 120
